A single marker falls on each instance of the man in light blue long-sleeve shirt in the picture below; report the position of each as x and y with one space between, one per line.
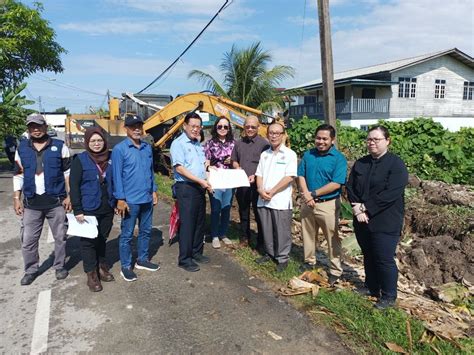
135 190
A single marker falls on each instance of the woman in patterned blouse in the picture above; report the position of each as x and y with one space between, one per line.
218 150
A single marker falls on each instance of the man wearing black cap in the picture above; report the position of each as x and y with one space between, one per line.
135 191
42 175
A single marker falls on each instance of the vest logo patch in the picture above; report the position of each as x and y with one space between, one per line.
54 148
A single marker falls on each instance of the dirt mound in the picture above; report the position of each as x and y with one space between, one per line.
426 218
441 193
435 260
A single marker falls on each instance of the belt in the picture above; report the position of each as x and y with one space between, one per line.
190 183
319 200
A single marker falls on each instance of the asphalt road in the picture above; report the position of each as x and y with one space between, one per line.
168 311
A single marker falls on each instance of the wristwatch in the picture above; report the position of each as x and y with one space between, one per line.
314 195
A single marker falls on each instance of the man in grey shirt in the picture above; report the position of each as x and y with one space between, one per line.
246 155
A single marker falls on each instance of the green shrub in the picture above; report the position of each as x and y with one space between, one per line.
429 151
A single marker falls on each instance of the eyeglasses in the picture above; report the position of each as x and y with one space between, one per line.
374 140
195 127
250 127
275 134
219 126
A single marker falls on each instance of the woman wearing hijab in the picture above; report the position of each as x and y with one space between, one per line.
375 188
218 150
91 195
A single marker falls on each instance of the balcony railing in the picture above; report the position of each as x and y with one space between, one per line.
343 107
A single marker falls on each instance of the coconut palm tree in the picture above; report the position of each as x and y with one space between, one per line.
246 78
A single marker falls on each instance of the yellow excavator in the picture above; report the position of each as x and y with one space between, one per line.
164 124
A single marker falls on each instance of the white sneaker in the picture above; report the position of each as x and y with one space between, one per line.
227 241
216 244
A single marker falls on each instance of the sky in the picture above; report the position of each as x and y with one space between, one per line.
122 45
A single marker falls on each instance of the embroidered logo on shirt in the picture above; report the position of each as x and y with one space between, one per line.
53 148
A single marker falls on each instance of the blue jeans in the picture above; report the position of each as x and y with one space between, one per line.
221 202
143 212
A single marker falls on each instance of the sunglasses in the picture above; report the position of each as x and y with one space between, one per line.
219 126
250 127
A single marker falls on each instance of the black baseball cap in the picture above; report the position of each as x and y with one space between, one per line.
130 120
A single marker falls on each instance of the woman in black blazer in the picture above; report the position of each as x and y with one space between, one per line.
375 189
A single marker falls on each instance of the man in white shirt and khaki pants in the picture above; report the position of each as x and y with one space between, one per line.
275 173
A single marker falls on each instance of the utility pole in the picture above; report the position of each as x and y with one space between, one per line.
329 102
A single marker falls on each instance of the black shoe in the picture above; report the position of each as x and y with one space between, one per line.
384 304
28 279
202 259
61 274
282 267
333 279
147 265
190 267
128 274
263 259
367 293
306 267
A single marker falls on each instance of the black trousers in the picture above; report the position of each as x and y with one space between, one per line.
381 272
93 250
247 198
192 214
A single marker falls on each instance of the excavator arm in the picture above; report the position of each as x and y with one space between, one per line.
215 105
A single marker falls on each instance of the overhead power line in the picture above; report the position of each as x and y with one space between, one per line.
187 48
70 86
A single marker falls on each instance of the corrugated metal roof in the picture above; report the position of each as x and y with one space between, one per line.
393 66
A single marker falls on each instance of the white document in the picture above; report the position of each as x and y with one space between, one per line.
87 229
227 178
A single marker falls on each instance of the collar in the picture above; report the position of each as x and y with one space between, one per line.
331 151
249 140
131 144
49 141
186 139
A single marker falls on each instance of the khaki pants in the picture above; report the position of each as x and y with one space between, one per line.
324 215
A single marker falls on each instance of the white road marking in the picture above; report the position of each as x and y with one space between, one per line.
39 341
50 236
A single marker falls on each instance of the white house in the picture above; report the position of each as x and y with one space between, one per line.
438 85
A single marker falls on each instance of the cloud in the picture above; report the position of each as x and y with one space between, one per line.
387 32
299 20
194 7
184 30
115 26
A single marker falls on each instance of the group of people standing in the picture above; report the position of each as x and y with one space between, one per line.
95 183
99 184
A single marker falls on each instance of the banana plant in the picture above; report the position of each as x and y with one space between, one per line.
12 110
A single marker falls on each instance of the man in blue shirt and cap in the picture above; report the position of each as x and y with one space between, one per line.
321 174
135 190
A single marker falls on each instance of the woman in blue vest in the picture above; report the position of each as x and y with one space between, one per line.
91 195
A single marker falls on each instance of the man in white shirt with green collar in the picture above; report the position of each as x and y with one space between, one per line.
275 174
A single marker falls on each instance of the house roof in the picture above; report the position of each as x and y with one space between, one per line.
390 67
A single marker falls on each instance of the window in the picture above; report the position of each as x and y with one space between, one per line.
368 93
407 87
440 88
309 100
339 93
468 90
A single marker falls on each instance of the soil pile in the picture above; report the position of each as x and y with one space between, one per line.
438 246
